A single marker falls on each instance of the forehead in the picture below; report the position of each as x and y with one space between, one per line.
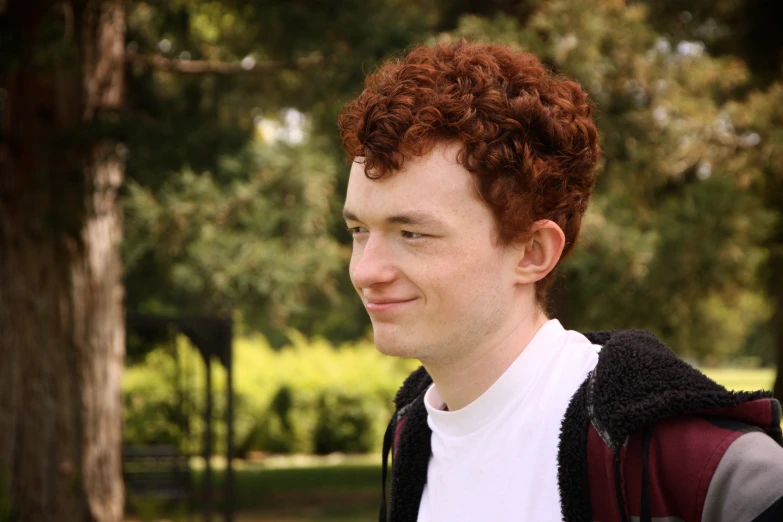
434 183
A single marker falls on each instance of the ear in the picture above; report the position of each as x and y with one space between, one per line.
541 253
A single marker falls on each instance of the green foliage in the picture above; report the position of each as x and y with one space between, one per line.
346 423
254 232
322 421
222 218
324 400
154 406
289 425
307 397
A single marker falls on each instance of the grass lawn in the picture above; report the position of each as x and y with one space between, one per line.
328 490
323 493
344 493
742 379
317 490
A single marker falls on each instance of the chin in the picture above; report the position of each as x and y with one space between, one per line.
395 345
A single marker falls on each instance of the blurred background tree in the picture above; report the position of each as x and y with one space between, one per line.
747 29
214 125
670 80
61 314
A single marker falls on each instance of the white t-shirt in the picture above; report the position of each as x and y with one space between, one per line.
496 459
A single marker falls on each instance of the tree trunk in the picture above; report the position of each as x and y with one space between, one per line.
62 337
777 325
775 289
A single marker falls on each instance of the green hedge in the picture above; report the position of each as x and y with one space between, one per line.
309 397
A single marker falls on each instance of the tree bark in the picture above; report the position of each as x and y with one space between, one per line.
62 337
775 288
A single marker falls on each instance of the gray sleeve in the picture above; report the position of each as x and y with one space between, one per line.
748 484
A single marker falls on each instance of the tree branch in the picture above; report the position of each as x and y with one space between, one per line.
161 63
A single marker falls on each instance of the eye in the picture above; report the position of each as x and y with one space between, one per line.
412 235
356 230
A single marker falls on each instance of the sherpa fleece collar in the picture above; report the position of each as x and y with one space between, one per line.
415 384
639 381
636 382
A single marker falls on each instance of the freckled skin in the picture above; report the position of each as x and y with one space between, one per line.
466 296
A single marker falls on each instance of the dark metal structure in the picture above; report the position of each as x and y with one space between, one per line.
212 336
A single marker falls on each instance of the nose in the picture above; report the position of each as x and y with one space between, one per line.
371 263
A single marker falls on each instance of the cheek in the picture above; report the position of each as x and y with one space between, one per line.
478 272
352 264
464 276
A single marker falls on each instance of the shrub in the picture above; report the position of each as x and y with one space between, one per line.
287 425
153 411
308 397
346 423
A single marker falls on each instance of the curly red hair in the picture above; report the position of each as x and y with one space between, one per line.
527 135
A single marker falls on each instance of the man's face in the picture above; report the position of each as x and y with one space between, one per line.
424 259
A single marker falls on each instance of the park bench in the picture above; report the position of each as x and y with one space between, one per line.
161 472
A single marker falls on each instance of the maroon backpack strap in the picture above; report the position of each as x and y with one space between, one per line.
606 479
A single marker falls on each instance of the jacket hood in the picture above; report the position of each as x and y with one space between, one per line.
639 381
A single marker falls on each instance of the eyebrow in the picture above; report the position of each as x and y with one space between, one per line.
407 218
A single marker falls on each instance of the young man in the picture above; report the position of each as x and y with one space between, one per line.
471 169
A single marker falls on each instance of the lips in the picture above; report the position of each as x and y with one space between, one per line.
387 305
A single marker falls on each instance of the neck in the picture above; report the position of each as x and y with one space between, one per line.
462 380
